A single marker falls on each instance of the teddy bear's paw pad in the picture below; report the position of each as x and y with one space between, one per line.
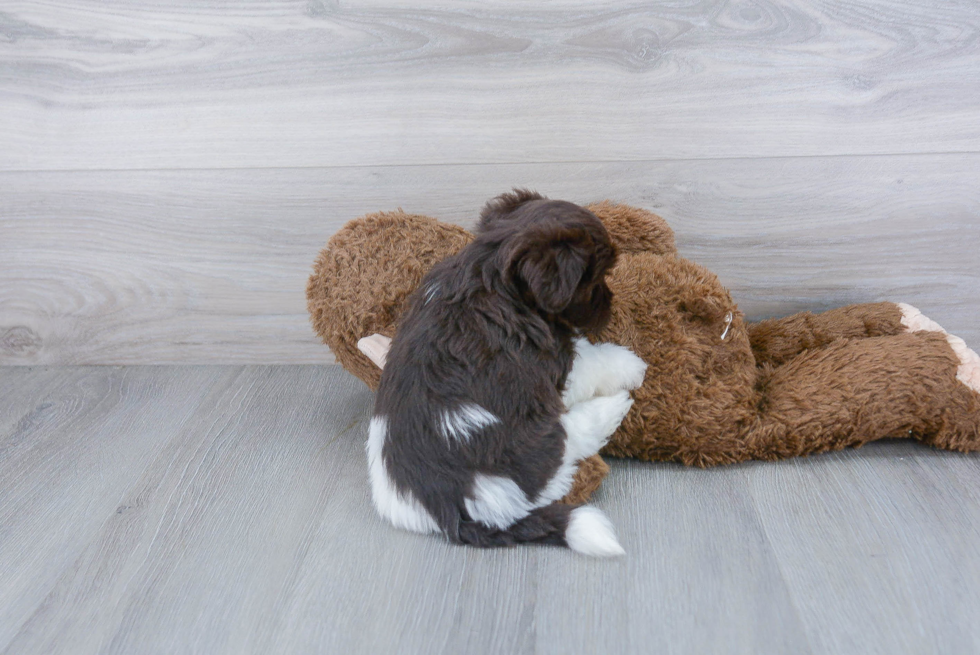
916 321
376 348
968 371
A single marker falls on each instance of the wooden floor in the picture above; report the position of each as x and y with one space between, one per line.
226 510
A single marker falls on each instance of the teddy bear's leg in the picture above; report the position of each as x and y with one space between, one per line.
776 341
601 370
969 370
914 321
589 476
923 384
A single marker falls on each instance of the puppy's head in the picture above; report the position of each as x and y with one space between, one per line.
554 254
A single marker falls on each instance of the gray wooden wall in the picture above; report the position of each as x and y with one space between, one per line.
169 171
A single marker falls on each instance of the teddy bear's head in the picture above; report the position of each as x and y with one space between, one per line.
362 279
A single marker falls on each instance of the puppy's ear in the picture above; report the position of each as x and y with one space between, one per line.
504 205
550 265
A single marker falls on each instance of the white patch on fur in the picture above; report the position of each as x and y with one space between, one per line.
915 321
460 424
601 370
431 292
403 510
968 371
497 501
559 484
589 424
589 532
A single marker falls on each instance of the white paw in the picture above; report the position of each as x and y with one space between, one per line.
624 369
968 371
601 370
589 424
608 412
916 321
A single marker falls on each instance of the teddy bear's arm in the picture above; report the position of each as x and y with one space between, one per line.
591 471
776 341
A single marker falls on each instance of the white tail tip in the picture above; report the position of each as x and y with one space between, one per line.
589 532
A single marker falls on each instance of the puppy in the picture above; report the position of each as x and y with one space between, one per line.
481 418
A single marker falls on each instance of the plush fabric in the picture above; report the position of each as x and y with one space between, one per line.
718 390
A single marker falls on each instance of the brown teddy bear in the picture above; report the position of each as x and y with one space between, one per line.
717 390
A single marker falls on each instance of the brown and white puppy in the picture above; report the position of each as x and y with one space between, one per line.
481 418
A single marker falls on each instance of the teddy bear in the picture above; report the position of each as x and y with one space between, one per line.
718 389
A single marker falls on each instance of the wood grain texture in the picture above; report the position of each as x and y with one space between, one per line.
227 510
312 83
64 471
889 573
20 387
210 266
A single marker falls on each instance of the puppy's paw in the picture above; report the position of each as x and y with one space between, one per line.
602 370
589 424
609 412
624 369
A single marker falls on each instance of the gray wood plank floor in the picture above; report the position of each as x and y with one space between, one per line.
226 510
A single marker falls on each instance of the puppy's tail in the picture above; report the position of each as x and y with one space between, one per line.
582 528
